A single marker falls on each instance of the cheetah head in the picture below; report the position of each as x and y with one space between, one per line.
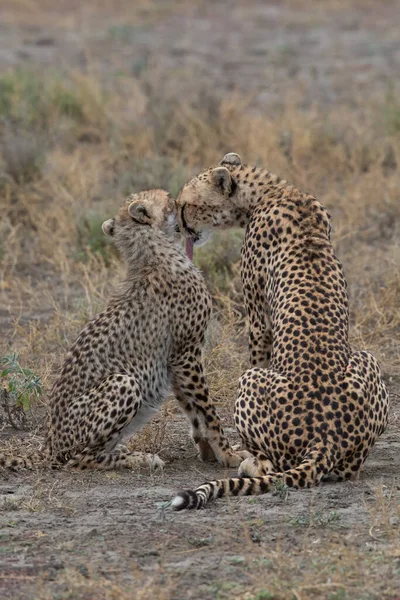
207 202
152 208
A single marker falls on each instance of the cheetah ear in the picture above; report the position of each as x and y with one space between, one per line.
231 159
108 227
222 179
171 206
139 213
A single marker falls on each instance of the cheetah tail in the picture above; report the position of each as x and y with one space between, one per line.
309 472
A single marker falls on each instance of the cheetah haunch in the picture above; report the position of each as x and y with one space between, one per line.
310 406
147 341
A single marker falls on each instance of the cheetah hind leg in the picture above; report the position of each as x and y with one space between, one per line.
118 400
349 471
367 392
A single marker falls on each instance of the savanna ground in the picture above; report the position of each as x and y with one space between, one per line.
98 99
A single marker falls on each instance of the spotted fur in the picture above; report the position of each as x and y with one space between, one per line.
310 406
146 342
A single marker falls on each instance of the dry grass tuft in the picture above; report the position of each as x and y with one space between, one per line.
85 584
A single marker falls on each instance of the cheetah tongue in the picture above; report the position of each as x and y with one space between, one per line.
189 247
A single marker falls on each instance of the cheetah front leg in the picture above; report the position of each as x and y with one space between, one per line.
260 330
192 394
260 342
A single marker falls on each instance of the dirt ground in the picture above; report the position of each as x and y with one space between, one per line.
106 535
67 535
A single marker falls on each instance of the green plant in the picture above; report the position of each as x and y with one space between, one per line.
237 560
391 111
23 154
339 595
122 33
199 542
91 238
21 96
280 489
22 386
263 595
139 66
67 102
32 102
6 92
320 519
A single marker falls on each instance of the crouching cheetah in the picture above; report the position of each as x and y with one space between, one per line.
318 407
148 339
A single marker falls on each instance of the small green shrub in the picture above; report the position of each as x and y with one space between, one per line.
318 519
30 100
264 595
22 153
67 103
91 239
139 66
281 490
23 386
122 33
391 112
339 595
21 96
6 95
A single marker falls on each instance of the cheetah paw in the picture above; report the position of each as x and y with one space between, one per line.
234 459
249 467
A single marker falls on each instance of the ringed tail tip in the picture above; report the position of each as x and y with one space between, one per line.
186 500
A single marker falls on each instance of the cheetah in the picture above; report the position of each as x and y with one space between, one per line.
147 341
310 407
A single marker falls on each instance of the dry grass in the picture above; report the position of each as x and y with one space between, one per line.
55 258
56 266
274 575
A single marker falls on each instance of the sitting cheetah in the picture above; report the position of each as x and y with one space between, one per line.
318 407
147 340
